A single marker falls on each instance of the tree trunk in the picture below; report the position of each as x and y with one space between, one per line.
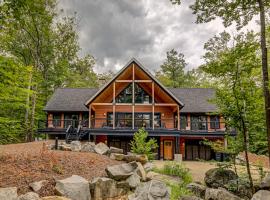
265 73
245 133
33 112
26 116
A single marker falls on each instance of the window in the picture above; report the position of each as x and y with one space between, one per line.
140 95
183 122
56 120
71 119
198 122
214 122
140 120
85 121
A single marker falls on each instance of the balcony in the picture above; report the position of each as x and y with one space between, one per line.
104 124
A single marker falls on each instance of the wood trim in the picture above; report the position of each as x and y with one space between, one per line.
133 96
102 104
123 81
123 104
143 81
166 104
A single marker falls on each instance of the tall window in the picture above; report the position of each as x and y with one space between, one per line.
140 95
183 122
214 122
56 120
198 122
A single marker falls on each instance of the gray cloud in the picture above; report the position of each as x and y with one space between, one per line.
113 31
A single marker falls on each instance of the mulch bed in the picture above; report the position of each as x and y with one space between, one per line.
22 164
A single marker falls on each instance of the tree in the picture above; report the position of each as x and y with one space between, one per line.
172 72
33 33
238 90
13 87
240 12
140 145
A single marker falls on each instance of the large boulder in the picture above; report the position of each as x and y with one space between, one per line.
122 171
8 193
116 150
74 187
117 156
101 148
219 194
75 146
105 188
265 184
88 147
261 195
190 198
217 177
152 190
197 189
29 196
36 186
54 198
134 180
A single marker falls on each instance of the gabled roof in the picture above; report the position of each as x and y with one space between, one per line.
196 100
133 60
70 99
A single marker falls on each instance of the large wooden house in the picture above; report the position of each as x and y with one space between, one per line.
179 118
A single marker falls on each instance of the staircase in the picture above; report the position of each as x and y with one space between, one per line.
73 134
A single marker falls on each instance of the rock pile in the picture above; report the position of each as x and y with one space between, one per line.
122 180
218 182
102 149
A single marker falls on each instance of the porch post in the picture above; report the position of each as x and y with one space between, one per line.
133 96
178 118
90 107
153 105
114 105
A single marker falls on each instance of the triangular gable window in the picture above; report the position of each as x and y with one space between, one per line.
140 95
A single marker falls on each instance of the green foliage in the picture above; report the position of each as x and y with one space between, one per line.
13 82
141 145
176 169
34 35
172 72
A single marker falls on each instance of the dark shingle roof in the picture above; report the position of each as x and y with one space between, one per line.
73 99
70 99
196 99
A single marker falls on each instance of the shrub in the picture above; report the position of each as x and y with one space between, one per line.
176 169
140 144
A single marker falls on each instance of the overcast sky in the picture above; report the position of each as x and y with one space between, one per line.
113 31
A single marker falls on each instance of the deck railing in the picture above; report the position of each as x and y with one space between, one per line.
107 123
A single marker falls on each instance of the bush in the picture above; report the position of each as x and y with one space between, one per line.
175 169
140 145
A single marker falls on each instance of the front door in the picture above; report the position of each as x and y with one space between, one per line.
168 149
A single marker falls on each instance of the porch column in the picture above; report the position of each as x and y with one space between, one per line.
178 118
133 96
90 107
153 105
114 105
